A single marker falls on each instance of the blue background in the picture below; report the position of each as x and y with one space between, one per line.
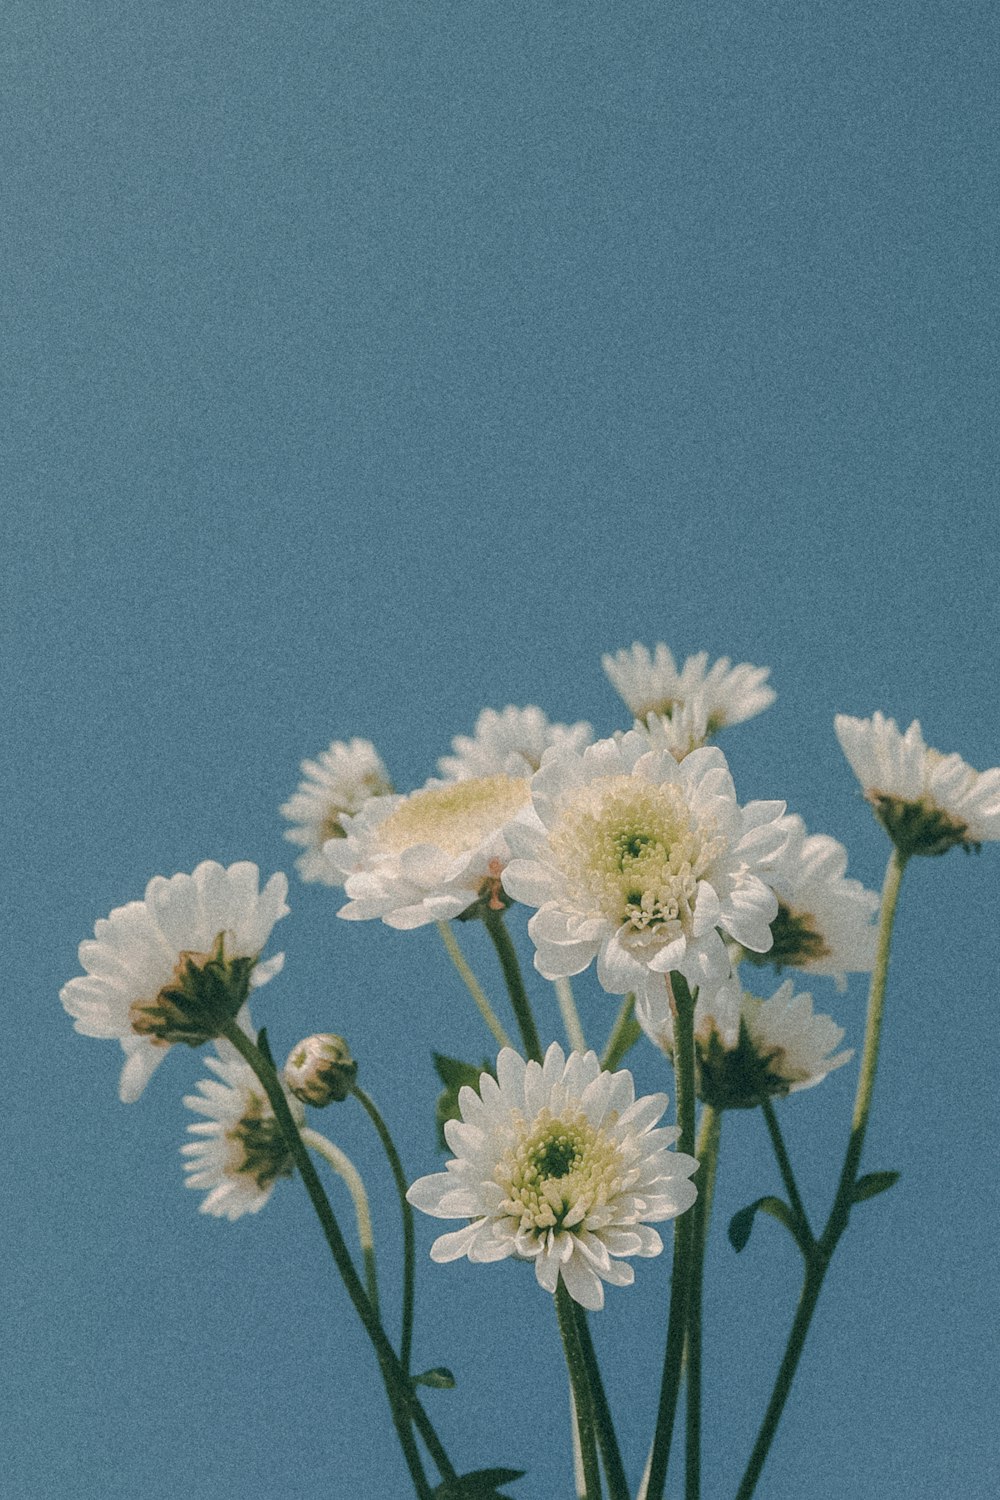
367 364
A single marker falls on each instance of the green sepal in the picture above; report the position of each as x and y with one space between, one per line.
741 1224
439 1379
202 997
872 1184
454 1074
482 1484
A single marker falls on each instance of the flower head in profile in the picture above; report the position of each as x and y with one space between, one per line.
558 1163
176 966
651 683
684 730
238 1152
511 743
645 863
429 856
927 802
338 781
825 921
748 1049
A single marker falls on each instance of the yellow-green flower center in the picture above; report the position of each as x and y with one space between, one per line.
456 817
558 1170
634 852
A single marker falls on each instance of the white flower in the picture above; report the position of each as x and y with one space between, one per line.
239 1152
652 684
339 781
512 742
643 863
825 921
163 969
686 729
428 856
748 1049
558 1163
926 801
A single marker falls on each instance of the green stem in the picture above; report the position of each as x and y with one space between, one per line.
582 1395
507 954
624 1034
351 1177
673 1358
708 1155
785 1168
607 1439
579 1478
402 1399
409 1235
818 1261
570 1015
472 985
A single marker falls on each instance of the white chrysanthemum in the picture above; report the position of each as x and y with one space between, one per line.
238 1152
558 1163
748 1049
339 781
825 921
652 684
511 742
927 802
428 856
156 967
686 729
643 862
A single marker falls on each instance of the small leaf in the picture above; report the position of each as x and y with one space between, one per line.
439 1379
454 1074
872 1184
741 1223
483 1484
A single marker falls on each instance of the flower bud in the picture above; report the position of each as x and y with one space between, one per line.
320 1070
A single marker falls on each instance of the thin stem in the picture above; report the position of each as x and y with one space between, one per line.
570 1015
579 1478
409 1236
472 985
403 1400
348 1172
785 1167
708 1155
581 1392
624 1034
673 1358
507 954
819 1259
607 1439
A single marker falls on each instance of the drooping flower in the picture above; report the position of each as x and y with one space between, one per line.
176 965
338 781
748 1049
558 1163
652 684
511 742
238 1152
927 802
429 856
645 863
320 1070
825 921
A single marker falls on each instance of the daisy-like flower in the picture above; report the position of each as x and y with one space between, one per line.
339 781
653 684
559 1163
511 742
684 730
927 802
748 1049
825 921
177 965
643 862
238 1152
428 856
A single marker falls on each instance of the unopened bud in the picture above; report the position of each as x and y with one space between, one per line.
320 1070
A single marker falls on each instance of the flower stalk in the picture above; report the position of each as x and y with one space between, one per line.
507 954
707 1153
351 1177
409 1242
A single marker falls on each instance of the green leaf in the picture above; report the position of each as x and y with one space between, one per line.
439 1379
741 1223
454 1074
872 1184
483 1484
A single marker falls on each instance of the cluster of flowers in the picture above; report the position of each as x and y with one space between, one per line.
633 851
